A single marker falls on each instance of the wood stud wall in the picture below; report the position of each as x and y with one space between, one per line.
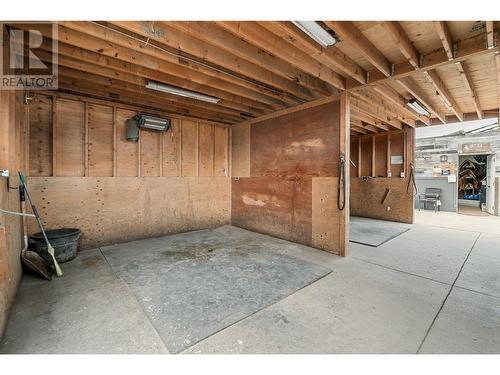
81 138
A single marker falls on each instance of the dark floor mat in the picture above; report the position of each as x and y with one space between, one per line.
373 232
195 284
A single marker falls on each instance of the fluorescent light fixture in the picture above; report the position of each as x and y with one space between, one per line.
153 122
181 92
417 107
316 32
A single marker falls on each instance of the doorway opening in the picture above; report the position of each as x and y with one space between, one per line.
475 188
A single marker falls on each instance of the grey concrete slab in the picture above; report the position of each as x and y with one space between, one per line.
359 308
435 253
481 272
469 323
89 310
373 232
195 284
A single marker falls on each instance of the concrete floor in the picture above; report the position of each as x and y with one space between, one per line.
430 290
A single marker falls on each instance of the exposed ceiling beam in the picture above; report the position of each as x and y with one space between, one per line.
445 36
210 33
359 104
447 41
443 93
350 33
465 49
467 79
330 56
259 36
400 102
490 34
169 37
111 43
378 101
404 44
409 85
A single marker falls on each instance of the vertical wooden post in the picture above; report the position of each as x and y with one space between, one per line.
359 156
54 136
179 165
389 154
345 131
114 142
373 156
86 143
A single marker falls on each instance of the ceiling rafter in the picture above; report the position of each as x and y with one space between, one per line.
404 43
210 33
103 40
329 56
350 33
259 36
409 85
447 41
220 59
465 49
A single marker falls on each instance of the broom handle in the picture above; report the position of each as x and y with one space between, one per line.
33 208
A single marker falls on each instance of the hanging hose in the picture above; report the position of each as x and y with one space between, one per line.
411 181
341 184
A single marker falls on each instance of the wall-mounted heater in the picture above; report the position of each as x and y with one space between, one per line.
143 121
417 107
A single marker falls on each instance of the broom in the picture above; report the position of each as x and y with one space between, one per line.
50 249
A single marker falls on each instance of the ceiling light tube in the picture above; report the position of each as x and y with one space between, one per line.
316 32
417 107
181 92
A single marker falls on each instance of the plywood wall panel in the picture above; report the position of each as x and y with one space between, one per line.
205 150
275 206
126 151
118 209
69 138
100 140
297 144
221 157
170 149
240 150
326 217
40 136
367 196
150 153
189 150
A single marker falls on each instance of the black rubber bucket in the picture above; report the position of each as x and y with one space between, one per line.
64 241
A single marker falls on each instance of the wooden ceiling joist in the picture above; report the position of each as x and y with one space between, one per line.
350 33
447 41
402 41
490 34
93 37
443 93
257 35
212 34
330 56
409 85
170 38
465 49
400 102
